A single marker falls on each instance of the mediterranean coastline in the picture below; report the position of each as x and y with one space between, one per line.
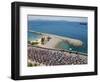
55 40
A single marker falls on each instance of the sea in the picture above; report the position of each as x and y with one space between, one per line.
75 30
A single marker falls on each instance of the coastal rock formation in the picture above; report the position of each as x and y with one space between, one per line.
55 39
74 42
52 43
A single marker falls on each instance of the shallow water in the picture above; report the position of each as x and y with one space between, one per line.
33 36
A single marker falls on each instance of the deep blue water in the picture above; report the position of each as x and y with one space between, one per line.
74 30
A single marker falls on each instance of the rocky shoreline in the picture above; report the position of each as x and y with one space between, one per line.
49 57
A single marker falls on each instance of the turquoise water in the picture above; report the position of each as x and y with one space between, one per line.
33 36
63 45
75 30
